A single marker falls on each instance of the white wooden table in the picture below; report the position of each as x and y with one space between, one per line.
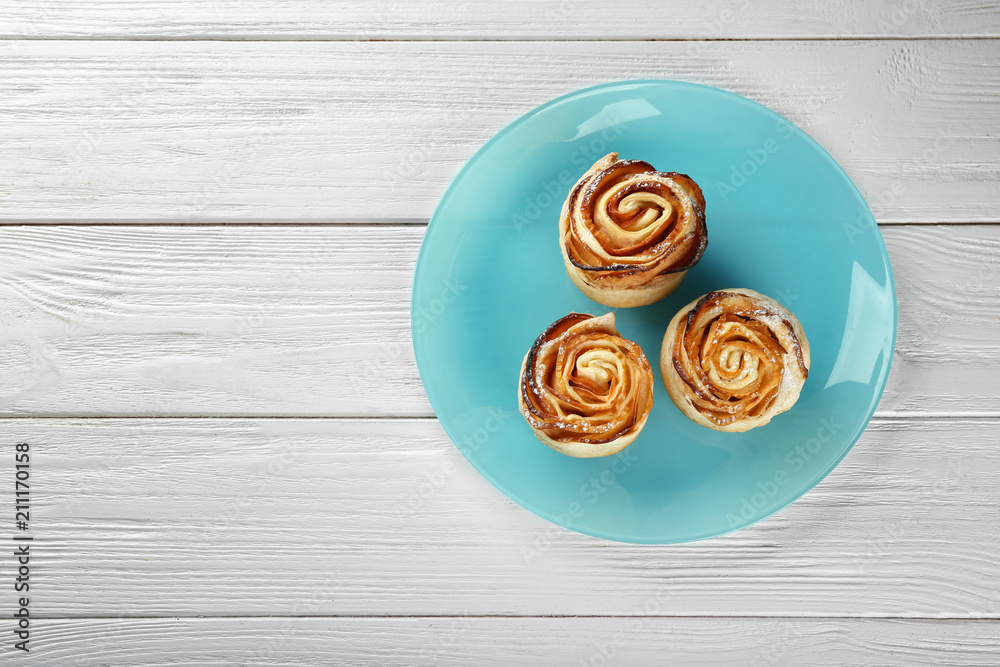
210 217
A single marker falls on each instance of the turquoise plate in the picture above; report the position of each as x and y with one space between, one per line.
783 219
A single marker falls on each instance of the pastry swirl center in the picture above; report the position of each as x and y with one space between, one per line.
583 382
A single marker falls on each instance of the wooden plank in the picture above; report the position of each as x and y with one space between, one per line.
514 19
316 517
314 321
352 131
539 642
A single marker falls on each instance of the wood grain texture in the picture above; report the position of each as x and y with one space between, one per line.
369 131
315 321
542 642
514 19
371 541
315 517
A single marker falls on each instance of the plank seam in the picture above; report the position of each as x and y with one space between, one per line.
353 224
459 40
901 417
804 617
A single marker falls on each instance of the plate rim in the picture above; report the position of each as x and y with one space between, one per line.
422 257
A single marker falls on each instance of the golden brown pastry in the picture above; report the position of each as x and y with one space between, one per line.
629 233
585 391
733 359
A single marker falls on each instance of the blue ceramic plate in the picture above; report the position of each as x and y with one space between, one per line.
783 219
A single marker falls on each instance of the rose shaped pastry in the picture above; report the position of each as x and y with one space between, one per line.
585 391
733 359
629 233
